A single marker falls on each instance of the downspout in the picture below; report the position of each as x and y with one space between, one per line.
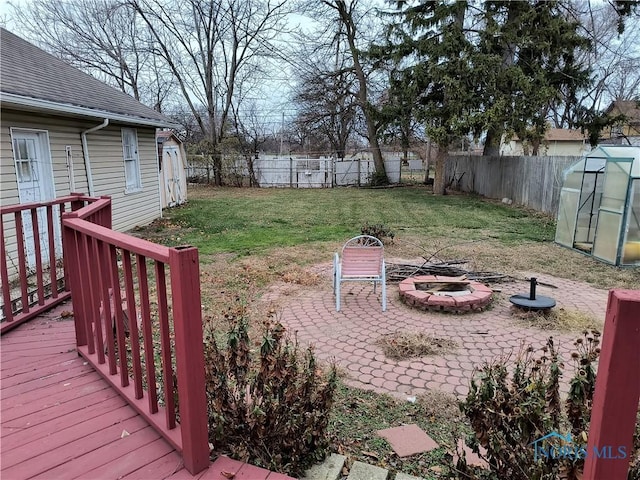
85 153
160 177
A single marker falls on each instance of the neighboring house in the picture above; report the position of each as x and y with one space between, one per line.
627 132
63 131
557 142
172 164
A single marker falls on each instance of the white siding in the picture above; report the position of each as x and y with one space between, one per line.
105 152
107 165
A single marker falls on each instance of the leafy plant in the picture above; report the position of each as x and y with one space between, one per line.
378 230
271 407
509 413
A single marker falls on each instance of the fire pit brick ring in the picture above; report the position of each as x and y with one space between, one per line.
445 294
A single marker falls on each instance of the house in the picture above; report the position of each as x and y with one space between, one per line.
627 132
172 164
62 131
557 142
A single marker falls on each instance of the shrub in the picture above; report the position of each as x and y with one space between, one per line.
271 407
510 412
378 230
378 179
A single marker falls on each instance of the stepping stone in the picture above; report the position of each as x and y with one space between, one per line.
330 469
473 460
408 440
364 471
404 476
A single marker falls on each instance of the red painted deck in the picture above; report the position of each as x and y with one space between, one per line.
61 420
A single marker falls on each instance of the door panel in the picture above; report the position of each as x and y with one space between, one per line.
35 184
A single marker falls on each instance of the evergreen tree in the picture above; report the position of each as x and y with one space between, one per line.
527 56
434 74
497 67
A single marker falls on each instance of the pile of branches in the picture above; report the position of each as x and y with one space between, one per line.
396 272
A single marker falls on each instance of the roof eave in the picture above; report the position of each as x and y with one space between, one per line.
37 104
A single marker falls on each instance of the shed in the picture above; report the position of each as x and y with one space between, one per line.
172 164
599 211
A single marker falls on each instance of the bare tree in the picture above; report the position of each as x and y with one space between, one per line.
252 131
102 37
614 59
211 47
342 33
326 100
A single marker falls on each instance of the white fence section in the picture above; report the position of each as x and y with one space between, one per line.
322 172
534 182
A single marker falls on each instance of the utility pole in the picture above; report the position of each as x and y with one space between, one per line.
281 134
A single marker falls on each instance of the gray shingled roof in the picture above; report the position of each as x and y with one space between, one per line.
28 71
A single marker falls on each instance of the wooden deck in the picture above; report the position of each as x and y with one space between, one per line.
61 420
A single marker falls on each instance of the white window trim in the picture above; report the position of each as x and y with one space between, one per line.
138 187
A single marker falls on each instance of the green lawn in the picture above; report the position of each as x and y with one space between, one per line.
249 221
250 238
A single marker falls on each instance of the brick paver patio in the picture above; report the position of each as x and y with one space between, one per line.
349 336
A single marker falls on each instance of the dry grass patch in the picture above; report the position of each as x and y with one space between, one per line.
440 405
227 279
302 277
558 319
403 345
547 257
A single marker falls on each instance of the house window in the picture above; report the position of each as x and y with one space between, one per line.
133 182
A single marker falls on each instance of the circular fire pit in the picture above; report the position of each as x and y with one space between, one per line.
445 294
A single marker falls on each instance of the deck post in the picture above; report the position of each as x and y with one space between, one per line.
77 204
106 219
187 317
617 391
4 276
72 267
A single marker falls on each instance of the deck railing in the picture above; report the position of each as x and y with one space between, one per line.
143 348
30 239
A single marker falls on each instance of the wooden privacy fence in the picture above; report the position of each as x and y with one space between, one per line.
128 337
33 227
534 182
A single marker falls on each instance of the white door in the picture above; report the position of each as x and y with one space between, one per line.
35 184
173 167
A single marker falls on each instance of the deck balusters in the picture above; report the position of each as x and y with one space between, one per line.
107 274
133 324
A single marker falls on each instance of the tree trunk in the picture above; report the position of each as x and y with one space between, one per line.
427 162
253 179
217 168
492 142
439 182
496 129
535 147
378 161
347 20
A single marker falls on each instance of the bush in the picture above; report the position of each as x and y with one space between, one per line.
509 413
378 230
378 179
269 408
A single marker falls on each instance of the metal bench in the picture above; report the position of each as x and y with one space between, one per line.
362 261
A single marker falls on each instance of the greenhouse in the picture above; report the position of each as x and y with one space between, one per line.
599 211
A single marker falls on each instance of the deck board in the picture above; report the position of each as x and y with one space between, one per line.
59 419
20 436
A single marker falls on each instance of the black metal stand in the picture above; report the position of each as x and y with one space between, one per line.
531 301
